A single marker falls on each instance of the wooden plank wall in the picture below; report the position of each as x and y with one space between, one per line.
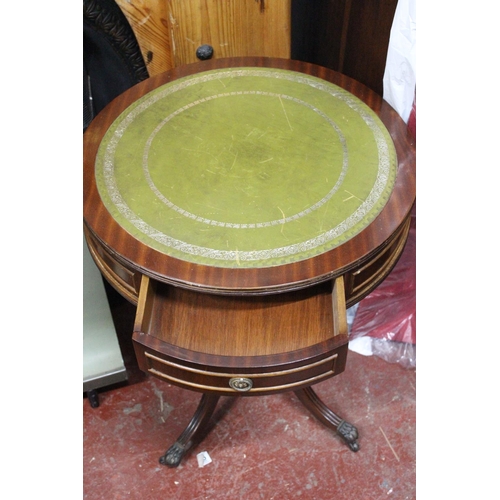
344 35
350 36
170 31
149 21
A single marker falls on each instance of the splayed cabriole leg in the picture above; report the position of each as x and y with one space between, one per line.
176 452
344 429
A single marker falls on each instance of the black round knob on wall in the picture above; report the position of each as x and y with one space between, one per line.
204 52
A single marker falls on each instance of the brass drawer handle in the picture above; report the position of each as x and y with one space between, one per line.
241 384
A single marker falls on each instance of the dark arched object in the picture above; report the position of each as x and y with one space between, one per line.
112 63
112 59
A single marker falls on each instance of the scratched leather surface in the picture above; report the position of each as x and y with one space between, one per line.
246 167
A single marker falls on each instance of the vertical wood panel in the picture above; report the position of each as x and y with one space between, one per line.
317 31
148 19
344 35
231 27
367 42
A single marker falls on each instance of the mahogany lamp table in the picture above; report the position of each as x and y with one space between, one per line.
243 204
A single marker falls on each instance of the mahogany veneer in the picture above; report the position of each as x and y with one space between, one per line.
279 342
247 331
121 247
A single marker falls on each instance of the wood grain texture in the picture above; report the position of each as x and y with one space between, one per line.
148 20
121 277
231 27
367 41
201 341
348 36
170 31
347 257
237 326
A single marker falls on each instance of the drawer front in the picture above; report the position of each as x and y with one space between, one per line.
124 280
245 381
369 275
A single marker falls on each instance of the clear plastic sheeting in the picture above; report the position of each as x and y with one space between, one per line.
384 323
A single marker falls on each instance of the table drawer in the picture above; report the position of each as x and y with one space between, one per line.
123 279
367 276
249 381
241 345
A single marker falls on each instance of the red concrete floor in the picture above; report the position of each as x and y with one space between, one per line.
267 447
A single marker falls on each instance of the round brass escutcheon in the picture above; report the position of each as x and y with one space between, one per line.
241 384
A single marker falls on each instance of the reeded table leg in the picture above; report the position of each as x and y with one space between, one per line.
344 429
174 454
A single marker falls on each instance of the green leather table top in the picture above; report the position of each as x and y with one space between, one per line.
246 167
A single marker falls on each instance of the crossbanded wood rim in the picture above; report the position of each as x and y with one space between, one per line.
239 257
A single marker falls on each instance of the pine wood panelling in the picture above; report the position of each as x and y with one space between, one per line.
170 31
231 27
148 19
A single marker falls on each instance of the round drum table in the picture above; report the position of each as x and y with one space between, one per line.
243 204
